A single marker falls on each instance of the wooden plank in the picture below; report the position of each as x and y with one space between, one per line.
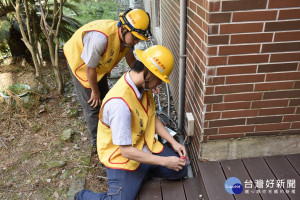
172 190
214 180
201 182
284 171
259 170
191 188
236 168
295 161
150 190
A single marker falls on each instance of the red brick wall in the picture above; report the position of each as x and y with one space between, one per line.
243 69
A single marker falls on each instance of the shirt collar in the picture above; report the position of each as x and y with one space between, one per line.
136 90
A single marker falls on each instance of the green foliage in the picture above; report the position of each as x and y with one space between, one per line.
91 10
16 89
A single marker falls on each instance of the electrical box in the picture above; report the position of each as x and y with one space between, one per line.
189 124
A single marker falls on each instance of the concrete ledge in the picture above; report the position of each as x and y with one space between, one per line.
228 149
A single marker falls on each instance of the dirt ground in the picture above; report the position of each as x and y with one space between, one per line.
35 162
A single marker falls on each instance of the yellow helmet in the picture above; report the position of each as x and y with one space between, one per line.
137 21
159 60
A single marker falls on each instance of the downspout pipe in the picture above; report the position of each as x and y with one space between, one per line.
182 65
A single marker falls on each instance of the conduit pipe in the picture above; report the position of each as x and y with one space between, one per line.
182 65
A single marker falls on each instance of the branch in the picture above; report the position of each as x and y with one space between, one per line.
60 18
12 3
55 12
27 20
18 17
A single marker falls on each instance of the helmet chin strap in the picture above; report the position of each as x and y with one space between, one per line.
147 80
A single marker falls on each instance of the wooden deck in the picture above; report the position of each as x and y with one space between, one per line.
172 190
211 177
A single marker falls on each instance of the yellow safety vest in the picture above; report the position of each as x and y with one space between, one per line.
111 57
142 127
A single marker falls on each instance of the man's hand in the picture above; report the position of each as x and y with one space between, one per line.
175 163
95 100
179 148
155 90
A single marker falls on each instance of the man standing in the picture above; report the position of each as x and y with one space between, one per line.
127 125
94 50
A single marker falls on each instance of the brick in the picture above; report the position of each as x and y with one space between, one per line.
214 80
214 137
243 5
283 4
192 6
209 90
273 86
242 97
239 113
282 57
213 6
276 111
287 36
227 122
245 79
231 106
291 118
190 14
283 76
213 99
254 16
248 59
295 125
251 38
289 14
211 51
219 17
236 129
270 127
201 12
297 85
212 61
282 94
239 49
224 39
210 131
227 70
240 28
212 115
298 110
281 47
282 26
270 103
294 102
264 120
263 133
297 131
277 67
233 89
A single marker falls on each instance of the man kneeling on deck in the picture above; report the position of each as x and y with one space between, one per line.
127 146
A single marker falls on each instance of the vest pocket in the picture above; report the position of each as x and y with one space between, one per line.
117 158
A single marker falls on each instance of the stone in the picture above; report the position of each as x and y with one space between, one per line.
67 135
